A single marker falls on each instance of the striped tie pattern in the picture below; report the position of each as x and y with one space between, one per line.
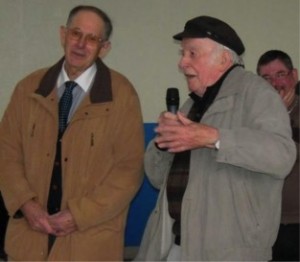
65 105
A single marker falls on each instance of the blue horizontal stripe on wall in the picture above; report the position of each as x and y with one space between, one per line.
142 204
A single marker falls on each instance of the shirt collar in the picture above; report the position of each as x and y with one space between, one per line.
84 80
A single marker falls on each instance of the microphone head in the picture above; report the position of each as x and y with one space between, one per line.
172 99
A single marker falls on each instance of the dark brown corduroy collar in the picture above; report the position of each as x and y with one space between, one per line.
101 90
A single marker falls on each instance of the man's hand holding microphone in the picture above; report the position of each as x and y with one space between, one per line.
176 133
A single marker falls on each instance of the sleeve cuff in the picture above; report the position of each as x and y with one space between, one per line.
217 144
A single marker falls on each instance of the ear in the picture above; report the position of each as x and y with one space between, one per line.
295 74
63 32
105 48
225 61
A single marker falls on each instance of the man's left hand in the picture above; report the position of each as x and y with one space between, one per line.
63 223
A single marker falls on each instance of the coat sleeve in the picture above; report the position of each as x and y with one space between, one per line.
13 183
157 164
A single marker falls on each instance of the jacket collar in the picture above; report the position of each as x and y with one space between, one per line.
100 92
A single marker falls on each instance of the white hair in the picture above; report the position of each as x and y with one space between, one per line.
235 58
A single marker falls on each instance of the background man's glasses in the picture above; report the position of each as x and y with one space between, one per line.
278 76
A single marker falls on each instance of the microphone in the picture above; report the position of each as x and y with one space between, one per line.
172 99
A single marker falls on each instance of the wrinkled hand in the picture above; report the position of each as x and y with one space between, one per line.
38 219
63 223
169 119
178 133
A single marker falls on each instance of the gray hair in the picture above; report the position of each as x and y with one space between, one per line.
235 58
97 11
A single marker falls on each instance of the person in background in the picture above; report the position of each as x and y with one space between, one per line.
3 225
219 162
277 68
68 175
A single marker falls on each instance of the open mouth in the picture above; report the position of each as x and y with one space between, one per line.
189 76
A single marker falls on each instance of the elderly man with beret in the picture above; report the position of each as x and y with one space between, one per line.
220 162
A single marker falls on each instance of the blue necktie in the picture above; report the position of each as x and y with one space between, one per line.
65 105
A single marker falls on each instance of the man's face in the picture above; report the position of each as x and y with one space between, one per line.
82 41
200 59
279 76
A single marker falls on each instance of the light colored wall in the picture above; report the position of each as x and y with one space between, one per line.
143 48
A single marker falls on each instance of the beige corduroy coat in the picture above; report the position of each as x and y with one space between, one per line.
102 152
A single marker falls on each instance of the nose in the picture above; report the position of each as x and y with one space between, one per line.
274 82
182 62
82 41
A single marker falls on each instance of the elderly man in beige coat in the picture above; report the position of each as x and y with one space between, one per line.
68 190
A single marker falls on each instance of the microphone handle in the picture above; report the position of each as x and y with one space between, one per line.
172 108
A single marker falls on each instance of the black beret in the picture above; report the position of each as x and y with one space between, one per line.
213 28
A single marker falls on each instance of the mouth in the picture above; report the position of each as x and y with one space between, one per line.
189 76
279 89
78 53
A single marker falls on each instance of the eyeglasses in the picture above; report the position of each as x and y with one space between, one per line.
278 76
76 35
